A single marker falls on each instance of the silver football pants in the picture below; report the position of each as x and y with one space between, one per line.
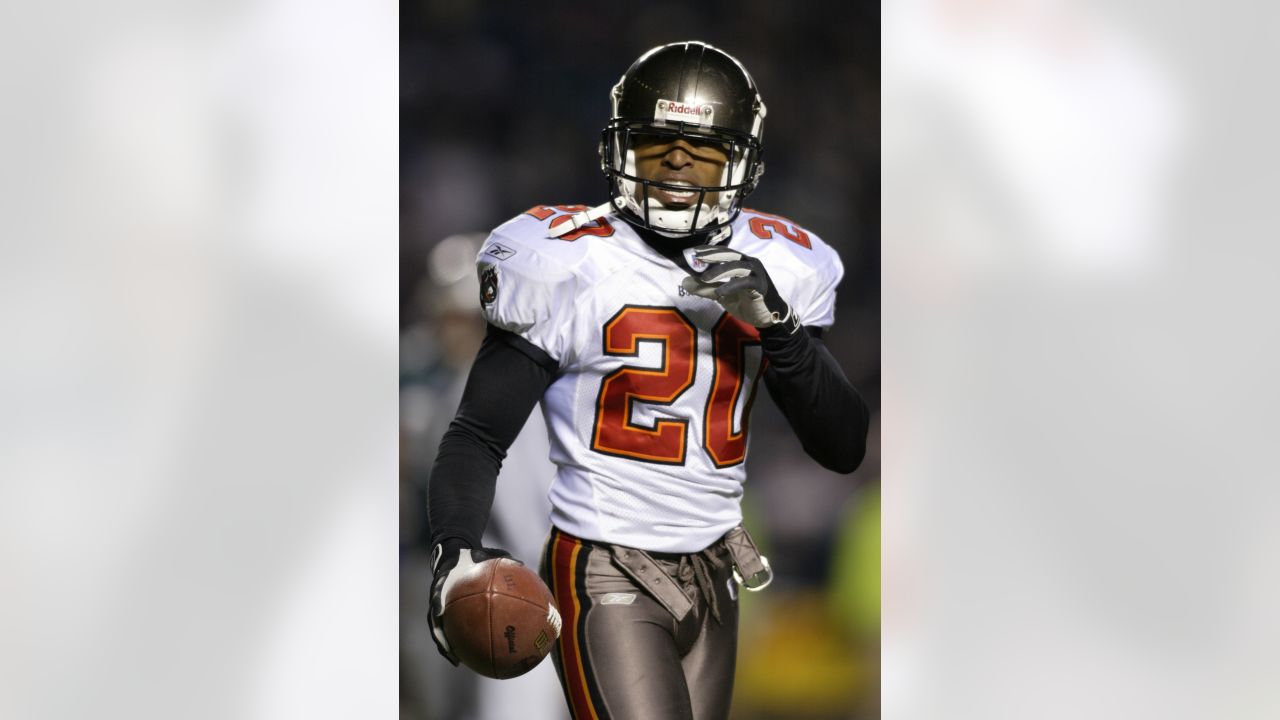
645 636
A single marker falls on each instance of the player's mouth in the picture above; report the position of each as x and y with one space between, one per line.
678 198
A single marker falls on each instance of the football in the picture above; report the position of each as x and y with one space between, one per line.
501 619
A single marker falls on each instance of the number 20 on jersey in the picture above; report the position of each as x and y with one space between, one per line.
666 442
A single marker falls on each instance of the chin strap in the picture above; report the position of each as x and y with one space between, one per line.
590 215
720 236
580 219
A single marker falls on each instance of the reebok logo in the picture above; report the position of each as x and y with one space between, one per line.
499 251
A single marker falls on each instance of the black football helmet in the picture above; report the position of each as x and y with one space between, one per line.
685 90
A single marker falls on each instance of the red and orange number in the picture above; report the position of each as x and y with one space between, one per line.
766 225
665 442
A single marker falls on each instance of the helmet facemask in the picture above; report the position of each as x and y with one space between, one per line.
711 207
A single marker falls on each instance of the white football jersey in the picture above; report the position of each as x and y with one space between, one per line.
649 411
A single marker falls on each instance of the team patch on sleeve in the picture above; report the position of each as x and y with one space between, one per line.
488 284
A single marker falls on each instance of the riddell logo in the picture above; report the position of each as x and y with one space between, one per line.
671 110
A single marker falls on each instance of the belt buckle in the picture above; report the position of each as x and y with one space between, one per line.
767 572
747 558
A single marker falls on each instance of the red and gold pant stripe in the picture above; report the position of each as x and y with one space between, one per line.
567 571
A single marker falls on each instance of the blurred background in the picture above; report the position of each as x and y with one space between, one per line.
200 222
1079 354
198 312
502 105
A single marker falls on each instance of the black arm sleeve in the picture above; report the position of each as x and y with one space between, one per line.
822 406
507 380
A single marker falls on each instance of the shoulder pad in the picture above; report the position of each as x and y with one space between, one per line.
804 244
528 233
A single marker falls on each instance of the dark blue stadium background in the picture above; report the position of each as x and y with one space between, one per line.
502 104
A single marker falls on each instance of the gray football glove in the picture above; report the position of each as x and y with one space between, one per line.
741 284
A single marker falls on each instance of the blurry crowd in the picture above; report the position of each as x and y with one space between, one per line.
501 109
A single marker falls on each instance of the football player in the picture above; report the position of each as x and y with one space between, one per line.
644 327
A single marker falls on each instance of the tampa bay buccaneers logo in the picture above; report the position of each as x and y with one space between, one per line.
488 285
